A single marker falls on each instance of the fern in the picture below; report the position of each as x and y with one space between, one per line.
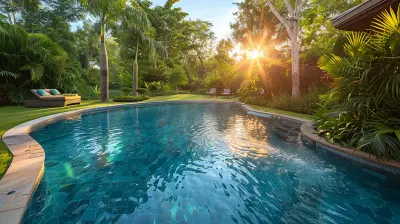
364 100
7 74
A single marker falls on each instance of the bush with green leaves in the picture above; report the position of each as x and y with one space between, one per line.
177 77
127 91
131 98
362 108
306 104
31 61
141 91
154 86
249 92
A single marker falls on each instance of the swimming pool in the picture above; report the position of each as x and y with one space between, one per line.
198 163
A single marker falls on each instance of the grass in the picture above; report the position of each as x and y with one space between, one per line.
11 116
283 112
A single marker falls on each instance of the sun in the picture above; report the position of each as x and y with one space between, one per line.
254 54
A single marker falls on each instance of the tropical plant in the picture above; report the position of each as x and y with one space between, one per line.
127 91
97 90
177 77
107 12
138 28
31 60
131 98
306 104
141 91
364 100
154 86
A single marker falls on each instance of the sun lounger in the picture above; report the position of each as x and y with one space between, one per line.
48 100
213 91
227 92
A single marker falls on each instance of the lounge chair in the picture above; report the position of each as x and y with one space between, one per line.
227 92
48 99
213 91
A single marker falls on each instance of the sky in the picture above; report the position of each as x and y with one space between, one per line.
218 12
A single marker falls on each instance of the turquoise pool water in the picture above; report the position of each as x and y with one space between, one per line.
198 163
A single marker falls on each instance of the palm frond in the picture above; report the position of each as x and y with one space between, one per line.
357 44
386 28
7 74
35 71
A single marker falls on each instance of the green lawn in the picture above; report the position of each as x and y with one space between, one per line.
283 112
11 116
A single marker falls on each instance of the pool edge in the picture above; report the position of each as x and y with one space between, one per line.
309 134
26 170
27 166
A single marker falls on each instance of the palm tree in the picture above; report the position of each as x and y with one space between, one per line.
107 12
28 59
139 25
365 98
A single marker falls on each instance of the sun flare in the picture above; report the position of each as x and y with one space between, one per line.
254 54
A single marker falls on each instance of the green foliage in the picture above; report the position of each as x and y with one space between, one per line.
127 91
306 104
249 92
131 98
177 76
363 103
32 61
156 73
141 91
125 79
154 86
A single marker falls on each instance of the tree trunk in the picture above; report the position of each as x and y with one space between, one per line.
295 60
103 70
135 75
203 68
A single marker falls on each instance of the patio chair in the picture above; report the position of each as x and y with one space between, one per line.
51 98
213 91
227 92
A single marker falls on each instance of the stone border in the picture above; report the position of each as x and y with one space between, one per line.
308 132
27 167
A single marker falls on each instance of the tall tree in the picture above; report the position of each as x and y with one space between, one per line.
199 40
106 12
17 9
291 24
137 29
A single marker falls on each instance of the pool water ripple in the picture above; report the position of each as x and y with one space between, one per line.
198 163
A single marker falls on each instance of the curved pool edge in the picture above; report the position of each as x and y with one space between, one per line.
26 170
27 167
308 133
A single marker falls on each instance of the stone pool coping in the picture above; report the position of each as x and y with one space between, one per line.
309 133
27 167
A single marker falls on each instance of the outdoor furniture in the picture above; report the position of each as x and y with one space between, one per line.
227 92
48 100
213 91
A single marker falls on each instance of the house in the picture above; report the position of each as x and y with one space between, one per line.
359 17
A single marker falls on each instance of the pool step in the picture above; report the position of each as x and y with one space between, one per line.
291 124
286 128
285 131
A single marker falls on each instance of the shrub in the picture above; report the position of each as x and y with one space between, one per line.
197 84
362 108
141 91
183 92
154 86
249 93
177 77
115 85
131 98
127 91
200 91
306 104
